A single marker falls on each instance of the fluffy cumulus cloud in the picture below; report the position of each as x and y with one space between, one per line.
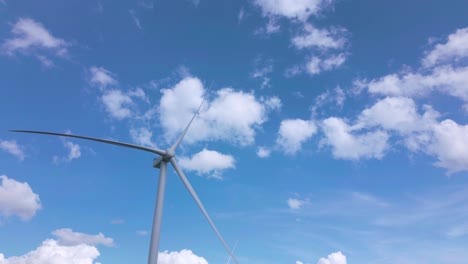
208 162
13 148
293 133
418 129
117 104
444 79
17 199
31 37
71 247
180 257
51 252
292 9
443 72
68 237
347 144
74 152
450 146
230 116
455 49
334 258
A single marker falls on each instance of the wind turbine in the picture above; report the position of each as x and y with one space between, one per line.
165 157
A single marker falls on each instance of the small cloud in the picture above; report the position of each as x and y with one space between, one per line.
13 148
334 258
117 104
101 77
295 204
263 152
17 198
183 256
208 162
293 133
31 37
67 237
142 136
74 152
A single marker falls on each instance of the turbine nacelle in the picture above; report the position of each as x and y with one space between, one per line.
168 155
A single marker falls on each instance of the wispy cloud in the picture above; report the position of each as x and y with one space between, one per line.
31 37
13 148
135 18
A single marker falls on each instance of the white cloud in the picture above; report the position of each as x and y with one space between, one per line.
142 136
68 237
319 38
396 113
138 93
208 162
184 256
346 145
135 18
334 258
454 49
51 252
292 9
315 65
101 77
293 133
231 116
17 198
295 204
446 140
450 146
299 262
444 79
30 36
74 150
117 104
13 148
263 152
272 103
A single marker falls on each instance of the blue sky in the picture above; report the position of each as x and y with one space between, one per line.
335 131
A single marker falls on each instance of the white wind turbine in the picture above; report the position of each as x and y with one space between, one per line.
165 156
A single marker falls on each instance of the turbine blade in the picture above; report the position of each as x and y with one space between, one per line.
177 143
233 249
156 151
200 205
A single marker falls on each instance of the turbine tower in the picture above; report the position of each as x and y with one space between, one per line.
165 157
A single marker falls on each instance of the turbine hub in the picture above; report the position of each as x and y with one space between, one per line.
169 154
